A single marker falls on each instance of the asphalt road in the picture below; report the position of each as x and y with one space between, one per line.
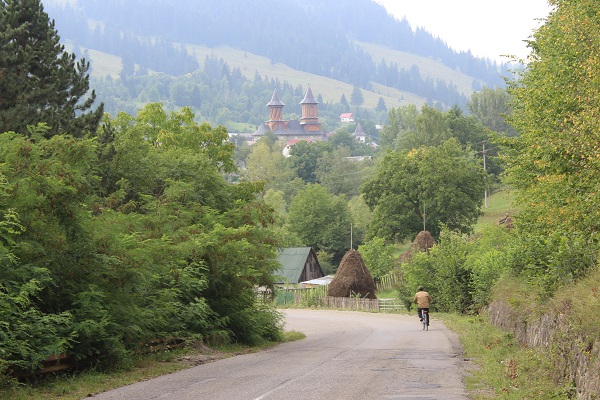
346 355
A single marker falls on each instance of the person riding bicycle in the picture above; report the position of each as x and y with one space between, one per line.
422 300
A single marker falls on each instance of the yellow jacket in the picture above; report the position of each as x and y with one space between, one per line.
422 299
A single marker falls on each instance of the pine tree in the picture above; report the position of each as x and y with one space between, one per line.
39 81
381 105
356 98
343 101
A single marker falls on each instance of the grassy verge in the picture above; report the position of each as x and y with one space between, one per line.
81 385
501 368
499 204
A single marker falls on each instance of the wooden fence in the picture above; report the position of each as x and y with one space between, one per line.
388 305
350 303
317 297
388 282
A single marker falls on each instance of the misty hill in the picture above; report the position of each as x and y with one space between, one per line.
335 46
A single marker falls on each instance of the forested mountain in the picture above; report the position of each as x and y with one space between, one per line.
311 37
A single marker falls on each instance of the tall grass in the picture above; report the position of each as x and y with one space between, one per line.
500 202
500 367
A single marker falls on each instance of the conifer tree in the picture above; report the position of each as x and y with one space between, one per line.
356 98
39 80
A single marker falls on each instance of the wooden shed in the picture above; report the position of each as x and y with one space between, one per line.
298 264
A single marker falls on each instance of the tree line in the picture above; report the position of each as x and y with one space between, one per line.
118 232
134 36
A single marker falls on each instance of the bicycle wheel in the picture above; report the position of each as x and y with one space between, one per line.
424 320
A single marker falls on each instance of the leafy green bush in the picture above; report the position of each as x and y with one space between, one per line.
460 271
549 262
27 335
122 242
378 256
443 274
488 263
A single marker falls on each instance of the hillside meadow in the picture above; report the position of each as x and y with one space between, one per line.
331 90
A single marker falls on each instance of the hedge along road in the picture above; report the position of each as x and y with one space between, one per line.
345 355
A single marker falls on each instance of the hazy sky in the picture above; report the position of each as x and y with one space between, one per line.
489 28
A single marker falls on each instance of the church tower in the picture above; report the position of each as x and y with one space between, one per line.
310 113
276 109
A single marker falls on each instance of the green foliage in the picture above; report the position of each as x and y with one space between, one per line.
443 273
361 217
491 107
554 162
381 105
255 323
158 246
321 220
410 128
326 261
356 98
400 121
304 157
549 262
504 369
420 189
488 263
460 271
266 163
341 175
378 256
431 129
39 81
27 334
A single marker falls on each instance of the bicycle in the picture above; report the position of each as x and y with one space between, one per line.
425 319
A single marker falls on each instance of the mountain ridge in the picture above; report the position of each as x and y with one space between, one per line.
361 46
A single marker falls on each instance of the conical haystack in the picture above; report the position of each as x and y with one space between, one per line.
422 243
352 278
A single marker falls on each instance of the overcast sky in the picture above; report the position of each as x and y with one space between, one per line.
489 28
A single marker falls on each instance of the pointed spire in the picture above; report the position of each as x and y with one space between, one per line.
275 100
359 130
309 98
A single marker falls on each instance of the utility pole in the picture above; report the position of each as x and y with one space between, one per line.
424 217
485 170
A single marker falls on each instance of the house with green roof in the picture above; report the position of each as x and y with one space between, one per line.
298 264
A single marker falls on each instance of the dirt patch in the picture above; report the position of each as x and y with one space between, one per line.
203 354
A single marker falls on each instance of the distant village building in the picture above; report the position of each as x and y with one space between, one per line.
359 134
307 129
298 264
288 146
346 117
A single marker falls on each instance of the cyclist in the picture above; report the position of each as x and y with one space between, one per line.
422 300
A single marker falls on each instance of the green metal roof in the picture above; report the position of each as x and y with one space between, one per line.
292 260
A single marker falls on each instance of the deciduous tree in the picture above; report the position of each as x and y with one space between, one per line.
423 188
491 107
555 162
321 220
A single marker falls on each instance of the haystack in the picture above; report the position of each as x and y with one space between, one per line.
507 221
352 278
422 243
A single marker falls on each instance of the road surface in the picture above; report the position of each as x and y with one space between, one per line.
346 355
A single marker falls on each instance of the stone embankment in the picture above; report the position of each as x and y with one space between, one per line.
576 360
